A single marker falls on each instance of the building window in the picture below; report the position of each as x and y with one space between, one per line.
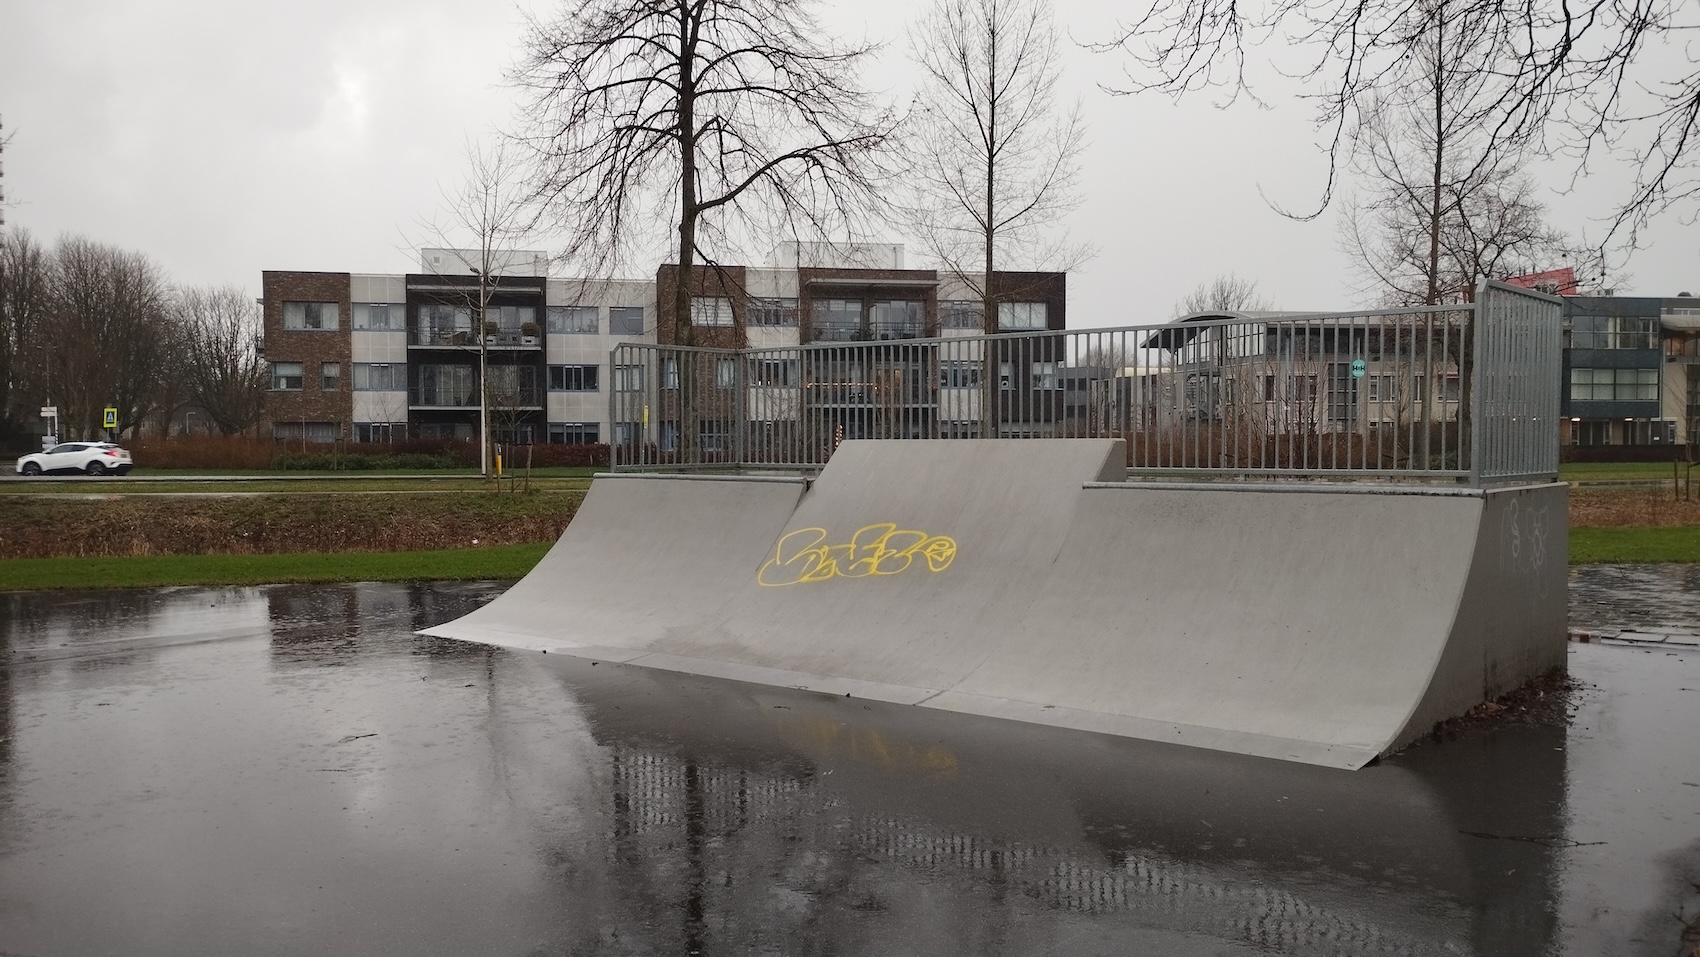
959 374
380 432
668 438
377 317
1614 332
574 433
837 320
1614 385
330 376
711 311
669 373
897 319
286 376
317 432
572 378
628 378
379 377
961 314
1016 316
626 433
775 372
1045 376
572 320
772 312
441 325
725 373
625 320
714 435
446 385
1301 388
320 316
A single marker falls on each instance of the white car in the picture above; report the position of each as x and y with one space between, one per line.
95 458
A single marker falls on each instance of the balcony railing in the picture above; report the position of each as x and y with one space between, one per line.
530 397
464 338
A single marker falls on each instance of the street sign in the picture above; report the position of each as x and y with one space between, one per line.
111 419
49 411
1357 368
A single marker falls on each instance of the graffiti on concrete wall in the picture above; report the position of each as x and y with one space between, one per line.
805 555
1524 541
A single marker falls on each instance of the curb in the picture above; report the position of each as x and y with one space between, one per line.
1631 636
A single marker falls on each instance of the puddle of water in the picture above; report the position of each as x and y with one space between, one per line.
287 769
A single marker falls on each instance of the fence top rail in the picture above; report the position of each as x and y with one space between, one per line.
1506 287
1188 325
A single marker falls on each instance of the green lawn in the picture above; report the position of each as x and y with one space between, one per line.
1618 471
457 564
563 471
1679 543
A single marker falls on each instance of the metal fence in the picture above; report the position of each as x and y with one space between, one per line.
1389 393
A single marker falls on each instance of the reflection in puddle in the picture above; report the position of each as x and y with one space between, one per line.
291 768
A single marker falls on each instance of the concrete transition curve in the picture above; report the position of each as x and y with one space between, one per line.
1024 579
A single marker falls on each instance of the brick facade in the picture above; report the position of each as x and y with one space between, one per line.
311 348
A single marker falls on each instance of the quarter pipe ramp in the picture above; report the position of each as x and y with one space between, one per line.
1023 579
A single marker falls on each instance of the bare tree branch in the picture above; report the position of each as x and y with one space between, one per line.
1568 77
719 120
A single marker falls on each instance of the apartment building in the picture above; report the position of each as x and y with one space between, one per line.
374 358
1631 370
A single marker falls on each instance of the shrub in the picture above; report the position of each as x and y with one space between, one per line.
202 452
554 456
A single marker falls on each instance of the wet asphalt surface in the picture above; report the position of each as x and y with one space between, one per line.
290 770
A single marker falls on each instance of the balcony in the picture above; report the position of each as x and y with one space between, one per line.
427 397
441 337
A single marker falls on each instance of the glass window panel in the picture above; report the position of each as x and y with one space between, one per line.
711 311
625 320
572 320
1014 316
287 376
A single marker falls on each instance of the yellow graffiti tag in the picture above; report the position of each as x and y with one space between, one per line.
882 549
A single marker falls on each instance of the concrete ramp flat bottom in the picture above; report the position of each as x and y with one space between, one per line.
1021 579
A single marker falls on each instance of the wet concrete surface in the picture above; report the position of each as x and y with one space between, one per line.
289 770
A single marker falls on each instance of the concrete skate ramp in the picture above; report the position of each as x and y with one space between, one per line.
1019 579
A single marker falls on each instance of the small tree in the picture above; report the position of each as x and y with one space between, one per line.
488 208
993 157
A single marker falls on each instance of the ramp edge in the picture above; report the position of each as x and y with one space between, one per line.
1343 757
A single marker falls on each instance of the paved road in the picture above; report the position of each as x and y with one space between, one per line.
290 770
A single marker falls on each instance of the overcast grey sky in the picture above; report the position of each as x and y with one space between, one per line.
222 138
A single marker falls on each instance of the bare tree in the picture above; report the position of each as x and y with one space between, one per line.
24 305
713 117
1228 293
992 156
222 370
110 329
1592 66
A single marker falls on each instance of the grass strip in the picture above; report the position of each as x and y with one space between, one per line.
153 571
1617 471
1665 543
